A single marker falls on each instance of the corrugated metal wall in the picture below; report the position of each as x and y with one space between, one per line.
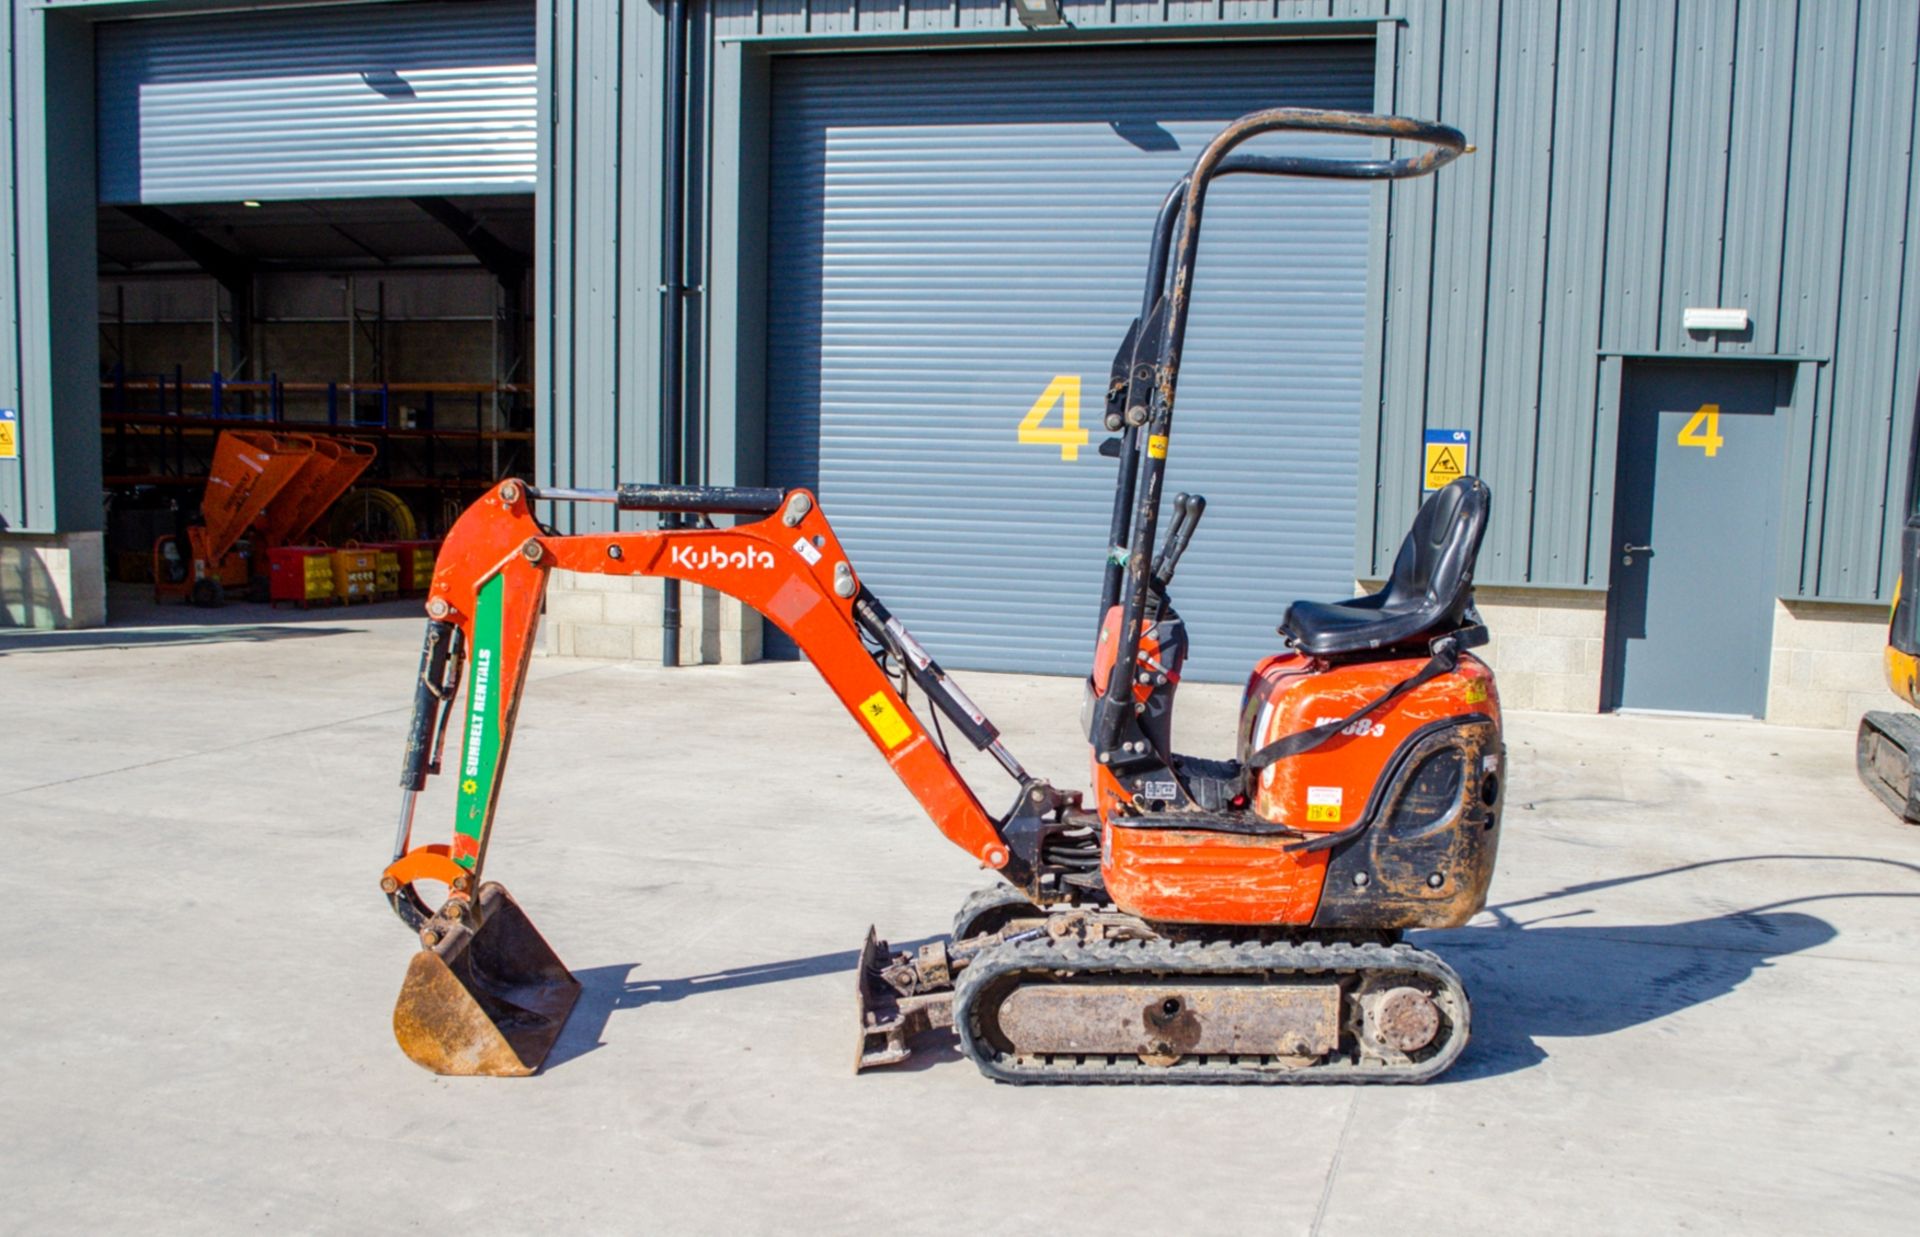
49 303
14 474
379 101
1639 157
1636 157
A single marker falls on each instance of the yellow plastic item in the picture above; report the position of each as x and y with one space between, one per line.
355 574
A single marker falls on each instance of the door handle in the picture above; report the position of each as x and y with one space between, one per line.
1628 550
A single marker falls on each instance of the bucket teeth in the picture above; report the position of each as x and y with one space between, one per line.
490 1000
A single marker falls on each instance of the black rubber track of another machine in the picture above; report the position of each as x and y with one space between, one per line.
1174 961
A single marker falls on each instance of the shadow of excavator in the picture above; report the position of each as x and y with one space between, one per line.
1542 979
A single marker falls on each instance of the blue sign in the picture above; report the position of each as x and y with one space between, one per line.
1446 458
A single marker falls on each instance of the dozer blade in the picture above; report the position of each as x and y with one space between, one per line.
488 1001
900 996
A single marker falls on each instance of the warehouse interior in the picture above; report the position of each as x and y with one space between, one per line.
402 321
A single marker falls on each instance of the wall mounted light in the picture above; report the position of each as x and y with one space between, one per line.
1036 13
1698 318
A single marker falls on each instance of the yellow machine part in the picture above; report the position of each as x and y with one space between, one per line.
1903 675
1903 668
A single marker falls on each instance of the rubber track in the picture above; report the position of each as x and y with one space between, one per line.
1187 960
982 901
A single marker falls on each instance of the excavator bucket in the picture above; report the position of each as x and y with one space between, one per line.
489 1000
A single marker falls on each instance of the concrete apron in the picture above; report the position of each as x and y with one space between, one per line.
1687 1000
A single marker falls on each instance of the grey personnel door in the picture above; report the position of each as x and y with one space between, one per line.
957 243
1690 614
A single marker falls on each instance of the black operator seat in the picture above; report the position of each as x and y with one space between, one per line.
1429 594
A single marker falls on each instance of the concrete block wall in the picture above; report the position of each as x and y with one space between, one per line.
53 580
1547 646
617 618
1828 664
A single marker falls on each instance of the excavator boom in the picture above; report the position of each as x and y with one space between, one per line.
489 582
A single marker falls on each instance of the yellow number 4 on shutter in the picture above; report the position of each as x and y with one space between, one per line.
1064 390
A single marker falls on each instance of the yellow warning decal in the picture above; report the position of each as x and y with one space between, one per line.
1323 803
1157 446
1476 691
888 726
1446 463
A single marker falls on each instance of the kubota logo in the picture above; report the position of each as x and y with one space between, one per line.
705 558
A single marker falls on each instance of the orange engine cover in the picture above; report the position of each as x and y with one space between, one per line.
1328 788
1208 876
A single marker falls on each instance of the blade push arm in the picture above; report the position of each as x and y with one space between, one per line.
489 580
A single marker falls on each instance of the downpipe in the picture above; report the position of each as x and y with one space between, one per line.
673 303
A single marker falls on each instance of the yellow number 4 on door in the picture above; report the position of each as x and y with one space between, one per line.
1703 431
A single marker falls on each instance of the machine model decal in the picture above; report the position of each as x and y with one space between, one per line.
480 756
1362 729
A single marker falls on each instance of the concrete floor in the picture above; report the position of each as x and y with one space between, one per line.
1692 998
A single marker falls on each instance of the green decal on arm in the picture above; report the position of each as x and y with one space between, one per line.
480 743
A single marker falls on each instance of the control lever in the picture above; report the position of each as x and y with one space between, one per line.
1187 510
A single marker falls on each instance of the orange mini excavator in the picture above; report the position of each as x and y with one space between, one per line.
1205 920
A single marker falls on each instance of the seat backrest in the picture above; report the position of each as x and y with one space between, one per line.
1434 569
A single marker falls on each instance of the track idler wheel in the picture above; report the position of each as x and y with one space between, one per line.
487 995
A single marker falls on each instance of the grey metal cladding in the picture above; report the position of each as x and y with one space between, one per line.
951 233
1648 155
1634 155
351 101
13 473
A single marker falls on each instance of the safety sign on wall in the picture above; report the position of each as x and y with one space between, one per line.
9 434
1446 458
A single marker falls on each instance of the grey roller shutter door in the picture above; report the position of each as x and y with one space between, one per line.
381 100
951 232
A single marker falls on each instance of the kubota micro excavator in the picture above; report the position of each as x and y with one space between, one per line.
1205 920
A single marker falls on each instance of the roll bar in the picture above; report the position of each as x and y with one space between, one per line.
1160 337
